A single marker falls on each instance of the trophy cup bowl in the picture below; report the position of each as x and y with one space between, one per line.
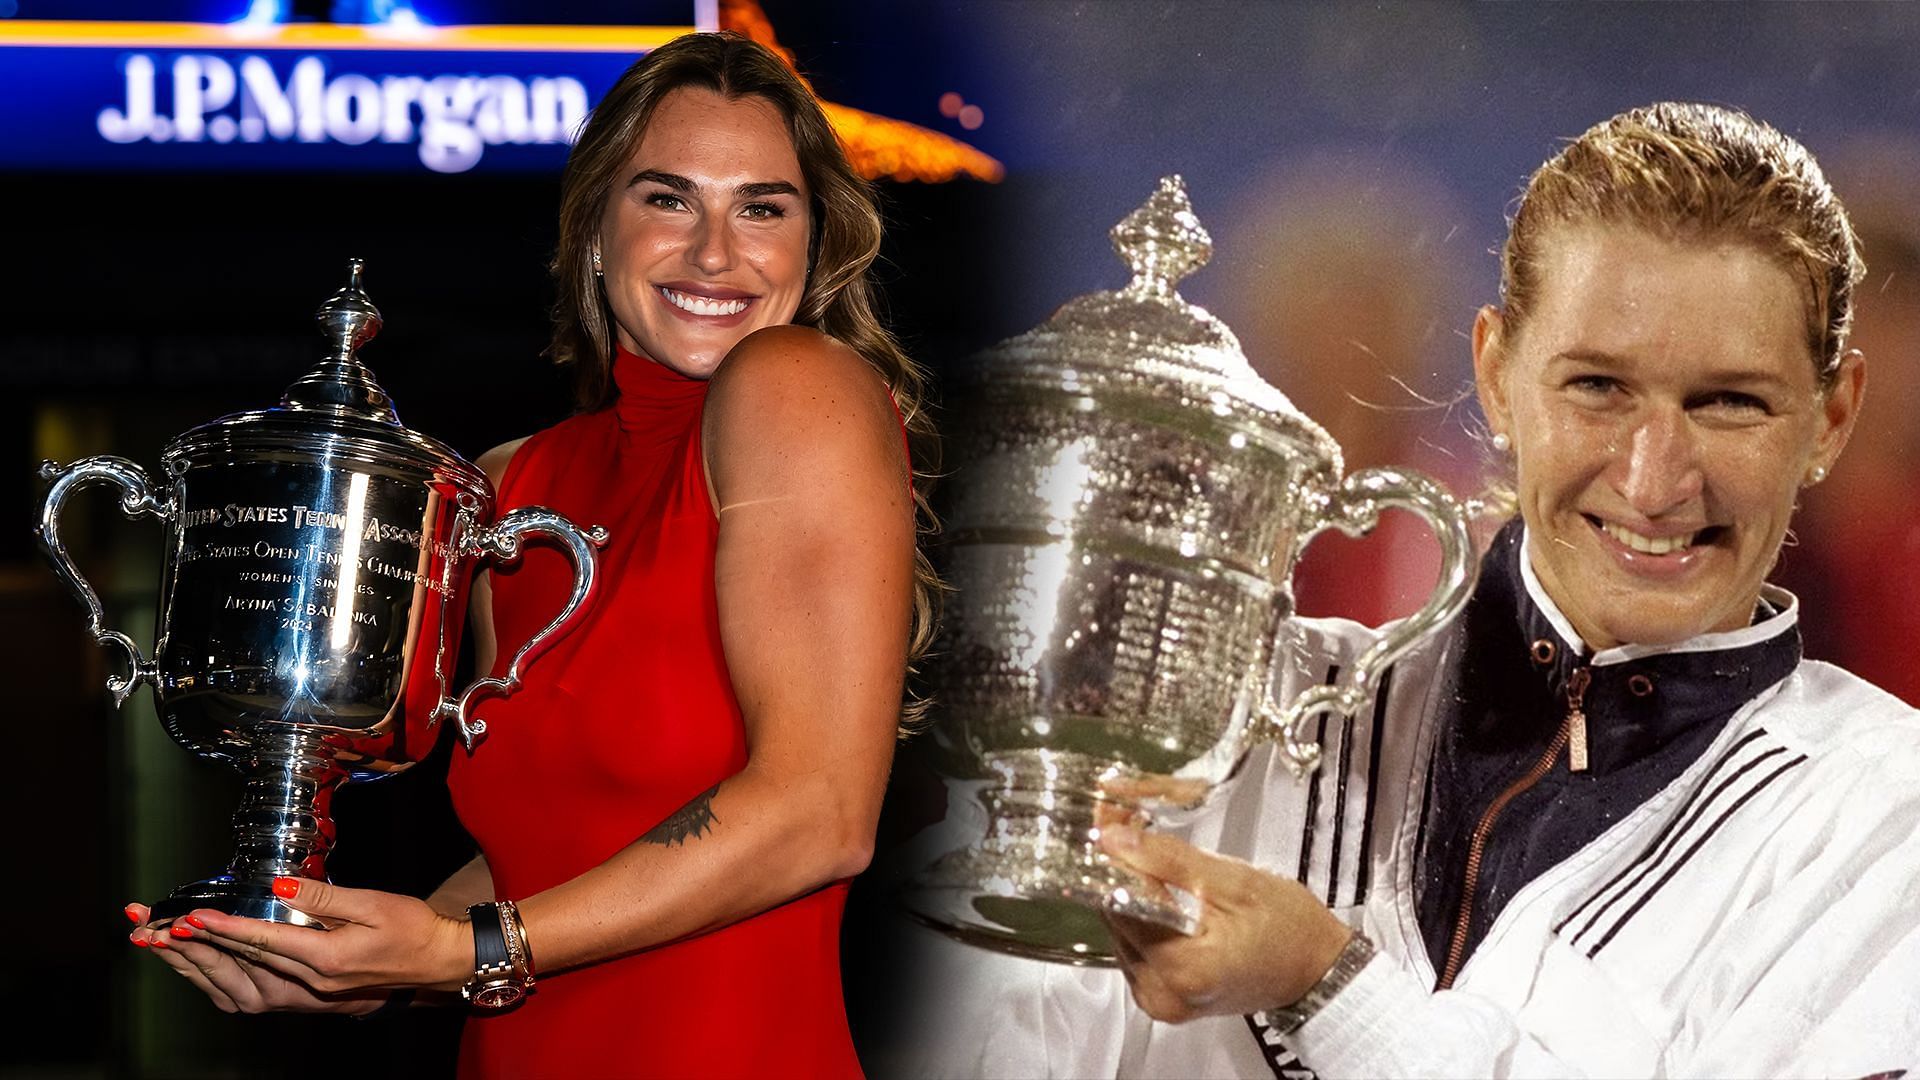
317 560
1131 501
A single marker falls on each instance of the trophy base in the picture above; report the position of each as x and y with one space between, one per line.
248 899
1059 922
1038 884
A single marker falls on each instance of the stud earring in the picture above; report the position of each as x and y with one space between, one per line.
598 270
1500 442
1818 474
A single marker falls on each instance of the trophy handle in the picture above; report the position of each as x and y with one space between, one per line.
501 541
1354 509
136 499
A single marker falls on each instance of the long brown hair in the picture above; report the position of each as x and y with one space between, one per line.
839 299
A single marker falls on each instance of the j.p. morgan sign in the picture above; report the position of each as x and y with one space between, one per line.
307 96
451 118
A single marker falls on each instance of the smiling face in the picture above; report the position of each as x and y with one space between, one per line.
704 238
1663 411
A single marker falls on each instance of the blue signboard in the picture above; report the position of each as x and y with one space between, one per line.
381 85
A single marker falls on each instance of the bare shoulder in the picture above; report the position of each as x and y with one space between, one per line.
796 385
788 361
791 405
495 461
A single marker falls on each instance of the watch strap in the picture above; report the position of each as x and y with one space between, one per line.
1353 956
497 980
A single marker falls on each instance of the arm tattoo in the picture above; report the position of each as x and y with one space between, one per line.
687 823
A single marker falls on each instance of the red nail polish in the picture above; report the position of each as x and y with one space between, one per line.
140 943
159 943
194 921
132 913
286 888
180 931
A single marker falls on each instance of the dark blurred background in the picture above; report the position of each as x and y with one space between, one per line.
1352 161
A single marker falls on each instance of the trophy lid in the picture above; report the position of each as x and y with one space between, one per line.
1147 339
336 409
341 381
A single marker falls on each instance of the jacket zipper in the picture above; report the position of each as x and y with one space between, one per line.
1577 719
1572 737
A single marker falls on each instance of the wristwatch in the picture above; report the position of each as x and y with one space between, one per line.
502 963
1287 1018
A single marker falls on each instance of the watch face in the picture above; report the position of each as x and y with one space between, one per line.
497 996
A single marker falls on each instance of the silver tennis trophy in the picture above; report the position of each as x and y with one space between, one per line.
1130 500
317 559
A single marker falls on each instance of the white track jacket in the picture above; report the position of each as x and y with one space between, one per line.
1759 915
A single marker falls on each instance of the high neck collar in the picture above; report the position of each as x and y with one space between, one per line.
1778 612
652 394
1522 650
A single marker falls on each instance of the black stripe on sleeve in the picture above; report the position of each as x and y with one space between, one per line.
1697 844
1364 874
1340 806
1667 831
1313 794
1690 819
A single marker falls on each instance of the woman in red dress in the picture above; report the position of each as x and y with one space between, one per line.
671 808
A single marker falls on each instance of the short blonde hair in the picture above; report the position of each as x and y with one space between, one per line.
1696 172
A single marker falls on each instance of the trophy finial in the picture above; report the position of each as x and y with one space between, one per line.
348 318
1163 241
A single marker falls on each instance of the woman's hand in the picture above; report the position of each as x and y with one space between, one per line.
1262 942
233 984
1134 798
377 941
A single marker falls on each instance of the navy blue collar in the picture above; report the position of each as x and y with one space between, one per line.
1521 652
1650 712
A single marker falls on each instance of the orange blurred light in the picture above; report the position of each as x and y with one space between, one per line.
950 104
971 117
879 147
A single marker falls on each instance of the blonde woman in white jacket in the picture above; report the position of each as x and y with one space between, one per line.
1613 823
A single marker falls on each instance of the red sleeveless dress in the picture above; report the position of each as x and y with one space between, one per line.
624 721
